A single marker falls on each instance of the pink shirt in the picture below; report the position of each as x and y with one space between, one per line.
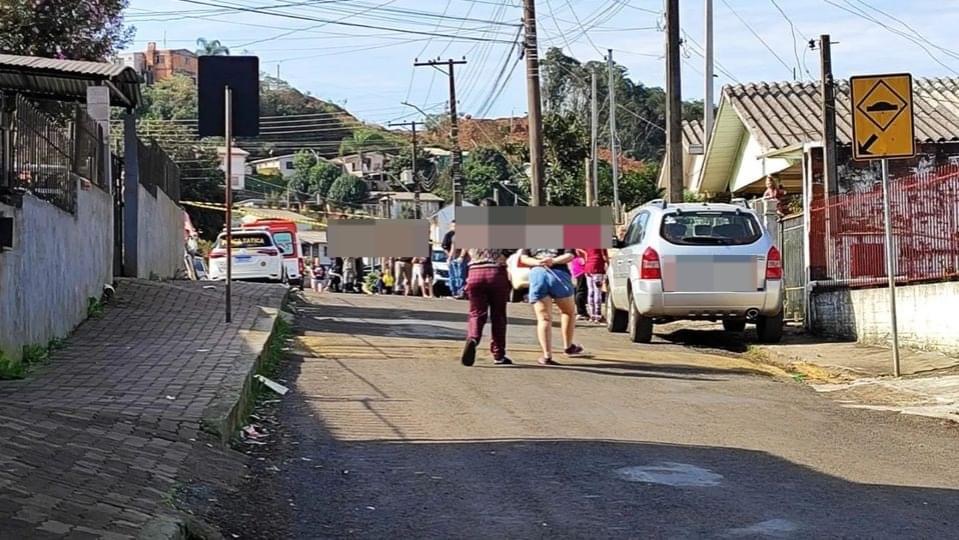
578 266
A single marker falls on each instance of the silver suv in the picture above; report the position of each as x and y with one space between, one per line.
695 261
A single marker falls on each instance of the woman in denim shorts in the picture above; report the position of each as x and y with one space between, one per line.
550 282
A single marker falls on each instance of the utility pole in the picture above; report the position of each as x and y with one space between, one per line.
613 140
674 104
828 91
537 183
708 95
457 155
594 141
830 170
416 180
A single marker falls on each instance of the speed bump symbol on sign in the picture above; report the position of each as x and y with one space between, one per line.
882 116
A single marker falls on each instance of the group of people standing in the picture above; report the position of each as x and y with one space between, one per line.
551 281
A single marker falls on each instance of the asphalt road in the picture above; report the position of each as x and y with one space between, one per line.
386 435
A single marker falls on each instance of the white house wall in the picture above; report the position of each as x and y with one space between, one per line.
751 166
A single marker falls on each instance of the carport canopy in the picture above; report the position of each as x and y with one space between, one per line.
68 80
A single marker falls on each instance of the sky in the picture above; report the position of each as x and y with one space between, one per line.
360 53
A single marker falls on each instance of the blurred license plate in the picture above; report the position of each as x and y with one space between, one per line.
242 258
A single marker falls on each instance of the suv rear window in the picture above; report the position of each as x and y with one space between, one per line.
705 227
246 241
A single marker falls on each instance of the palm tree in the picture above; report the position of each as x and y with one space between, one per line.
361 139
212 47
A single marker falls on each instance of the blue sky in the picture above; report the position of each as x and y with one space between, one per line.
370 71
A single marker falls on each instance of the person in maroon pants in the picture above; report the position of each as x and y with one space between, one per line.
487 289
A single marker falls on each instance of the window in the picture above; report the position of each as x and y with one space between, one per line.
711 228
325 252
284 241
637 229
289 165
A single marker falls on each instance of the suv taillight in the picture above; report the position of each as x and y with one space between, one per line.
649 267
217 254
302 266
268 252
774 264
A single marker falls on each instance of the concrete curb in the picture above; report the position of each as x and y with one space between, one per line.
178 528
231 407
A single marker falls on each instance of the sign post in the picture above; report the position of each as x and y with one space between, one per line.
883 129
228 103
228 132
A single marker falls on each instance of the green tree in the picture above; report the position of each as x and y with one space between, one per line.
211 47
425 167
484 169
303 160
322 176
361 140
72 29
170 99
347 192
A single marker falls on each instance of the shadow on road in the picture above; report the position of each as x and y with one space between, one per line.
394 313
342 470
609 370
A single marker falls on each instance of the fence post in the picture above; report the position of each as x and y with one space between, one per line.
771 221
131 193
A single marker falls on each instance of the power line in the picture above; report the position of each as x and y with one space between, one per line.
757 36
793 30
340 22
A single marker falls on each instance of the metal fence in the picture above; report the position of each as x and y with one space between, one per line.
847 241
157 170
42 156
47 153
88 150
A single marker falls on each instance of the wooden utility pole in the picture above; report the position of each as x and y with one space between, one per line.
830 168
537 182
828 92
613 139
416 181
457 155
594 141
708 94
674 104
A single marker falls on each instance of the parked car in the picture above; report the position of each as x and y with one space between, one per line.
695 261
441 273
518 278
255 256
287 241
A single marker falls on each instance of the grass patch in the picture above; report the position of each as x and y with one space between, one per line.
94 307
273 355
33 357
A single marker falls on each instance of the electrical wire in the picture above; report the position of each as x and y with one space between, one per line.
757 36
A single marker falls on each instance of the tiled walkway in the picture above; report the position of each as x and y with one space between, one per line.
91 444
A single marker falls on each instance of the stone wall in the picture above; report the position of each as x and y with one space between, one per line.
926 315
59 261
159 236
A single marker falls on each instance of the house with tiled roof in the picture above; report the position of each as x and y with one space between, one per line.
693 149
775 129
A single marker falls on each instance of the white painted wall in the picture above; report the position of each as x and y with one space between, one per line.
58 262
160 240
926 315
751 167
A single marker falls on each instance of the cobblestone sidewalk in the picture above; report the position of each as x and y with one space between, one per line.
92 444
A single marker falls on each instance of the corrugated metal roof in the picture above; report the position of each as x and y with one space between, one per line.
692 132
788 113
67 79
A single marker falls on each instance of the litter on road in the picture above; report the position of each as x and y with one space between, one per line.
272 385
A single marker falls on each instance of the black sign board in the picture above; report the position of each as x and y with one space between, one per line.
242 75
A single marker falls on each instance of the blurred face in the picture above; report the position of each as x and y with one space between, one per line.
770 184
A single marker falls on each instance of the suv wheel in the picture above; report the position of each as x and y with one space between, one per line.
516 296
640 328
770 329
615 318
734 325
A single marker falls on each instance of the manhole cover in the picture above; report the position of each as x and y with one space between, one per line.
671 474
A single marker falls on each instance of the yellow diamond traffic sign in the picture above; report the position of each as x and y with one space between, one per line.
882 116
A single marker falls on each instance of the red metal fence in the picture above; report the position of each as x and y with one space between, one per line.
847 236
